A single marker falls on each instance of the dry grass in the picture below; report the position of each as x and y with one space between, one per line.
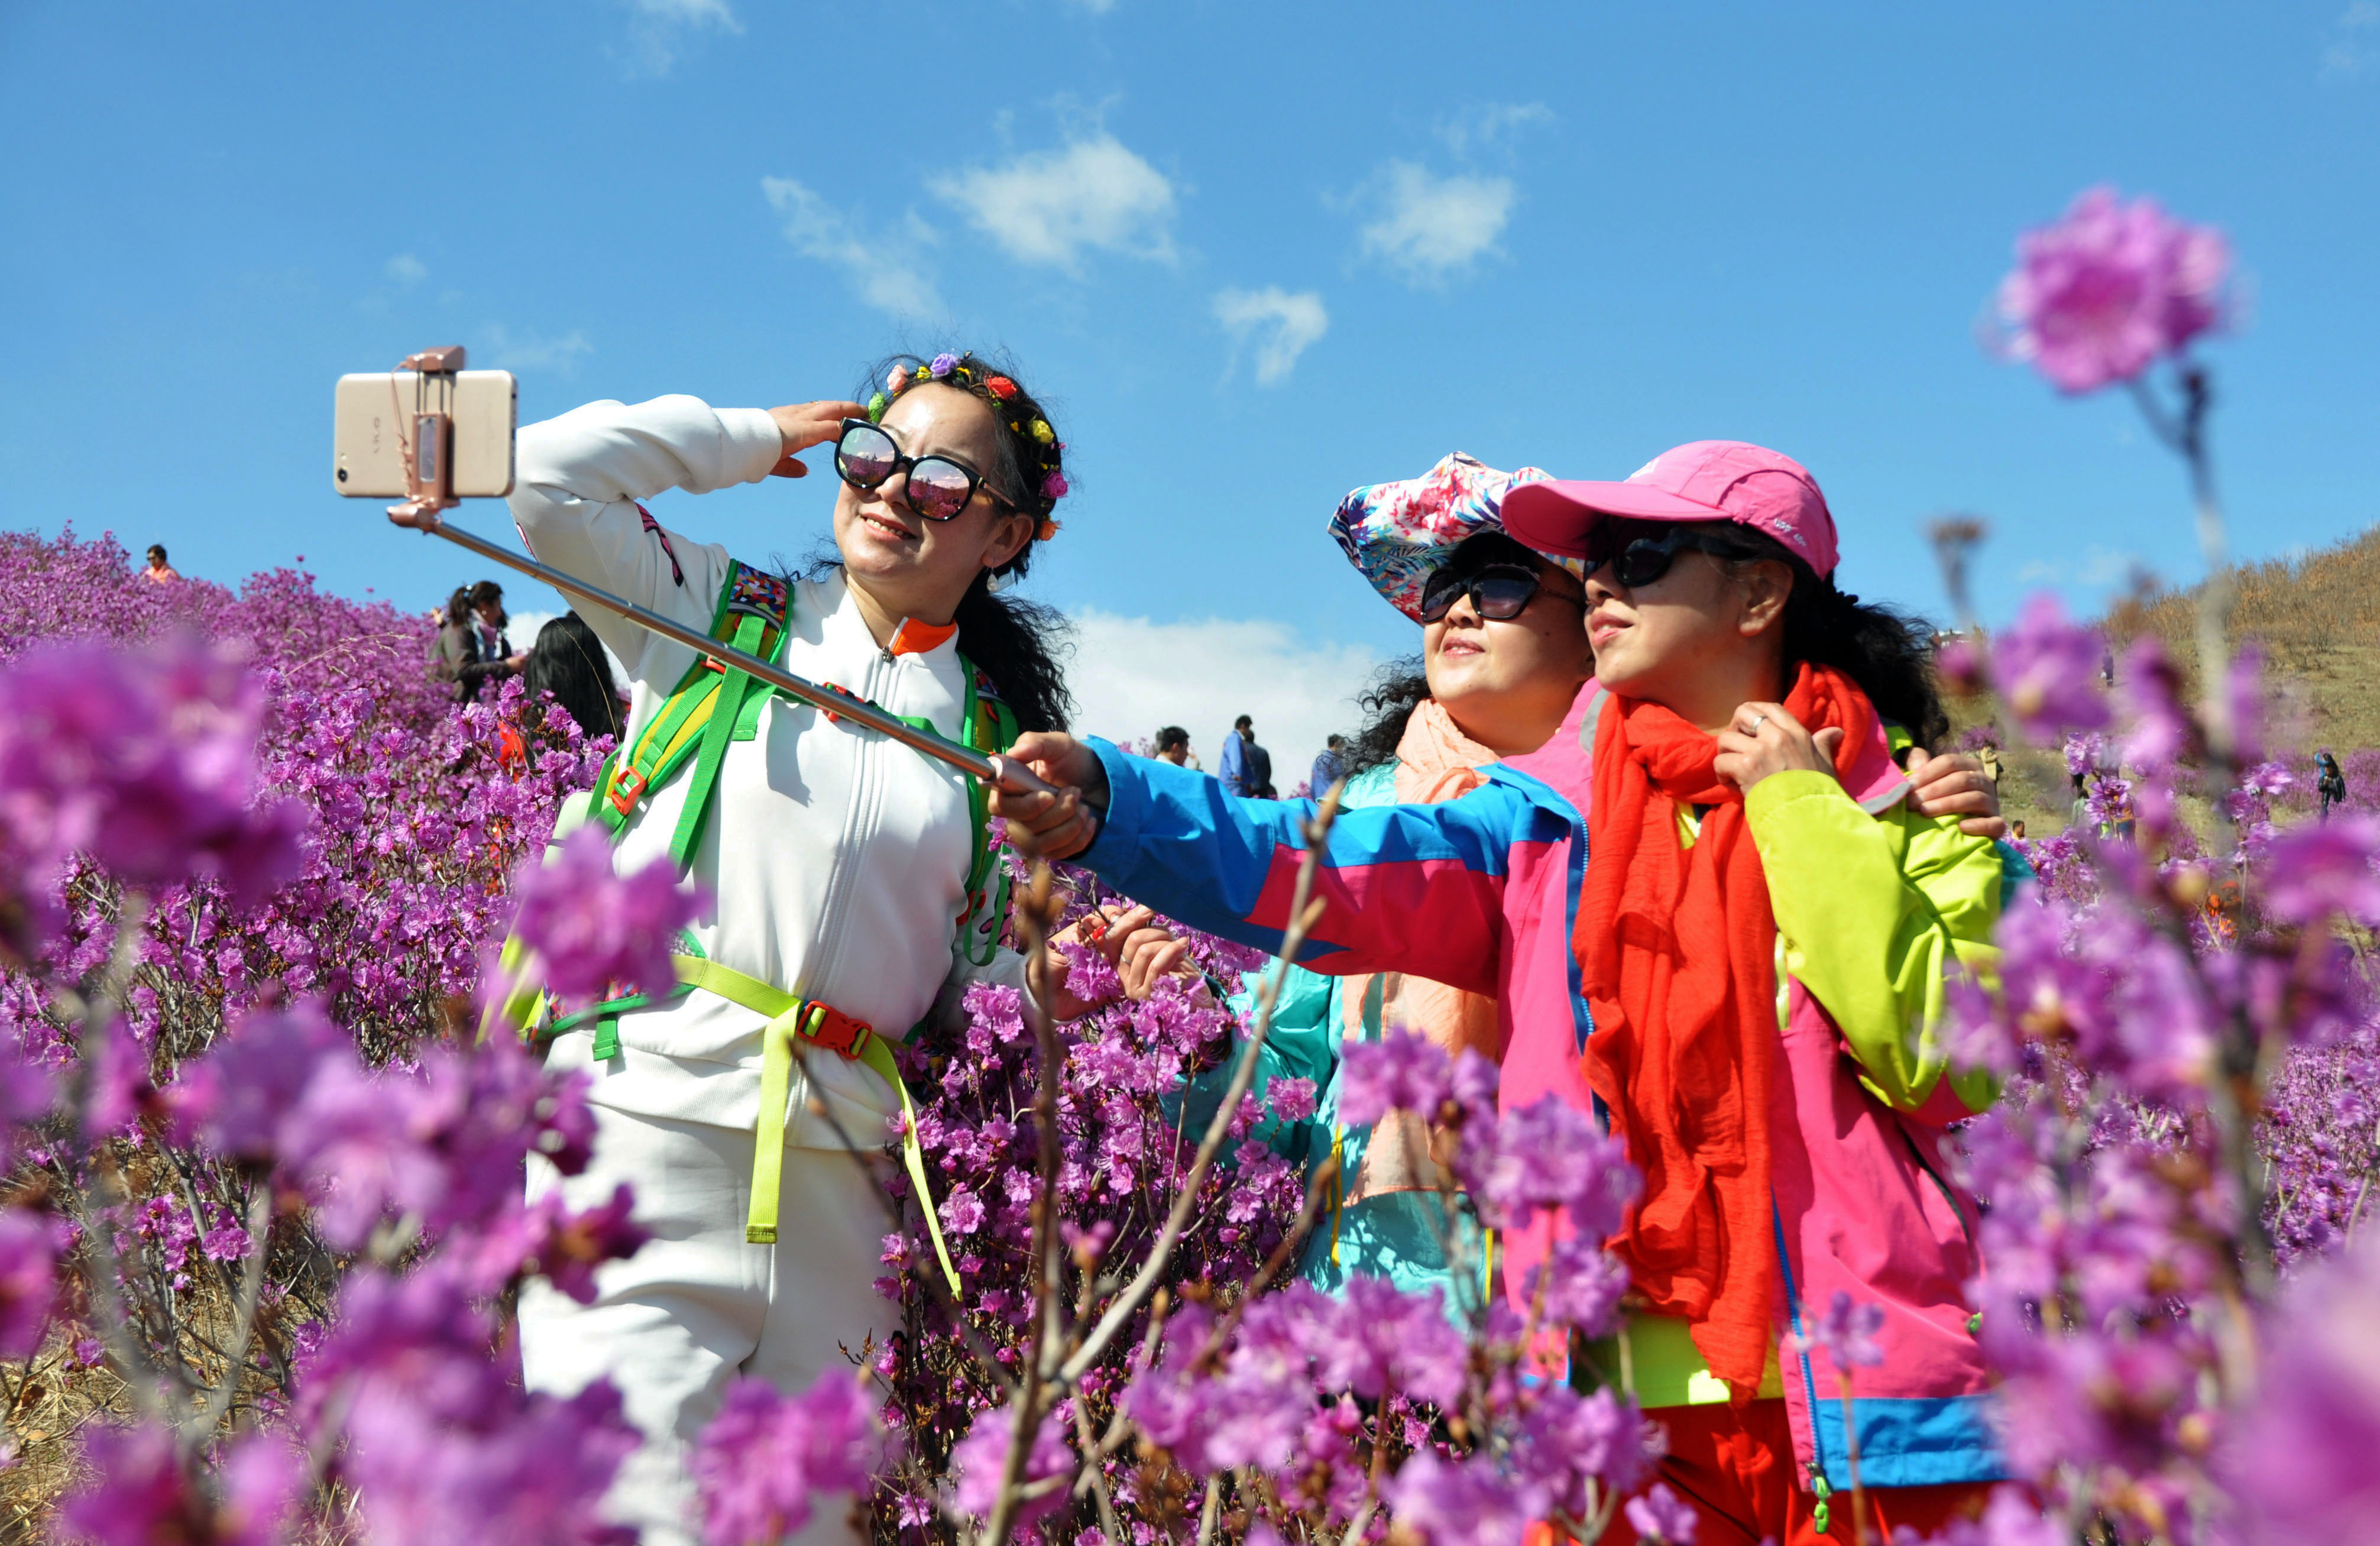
2316 620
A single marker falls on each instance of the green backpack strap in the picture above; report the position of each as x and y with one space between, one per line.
988 725
712 706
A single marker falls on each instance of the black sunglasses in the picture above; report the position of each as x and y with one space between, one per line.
1499 592
1646 559
940 488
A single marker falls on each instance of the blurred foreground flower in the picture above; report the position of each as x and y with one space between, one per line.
2100 295
595 931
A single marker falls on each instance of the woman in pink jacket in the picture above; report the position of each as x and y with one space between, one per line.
1742 977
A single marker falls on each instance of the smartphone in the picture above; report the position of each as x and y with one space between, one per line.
375 424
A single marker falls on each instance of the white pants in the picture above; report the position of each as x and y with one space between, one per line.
696 1307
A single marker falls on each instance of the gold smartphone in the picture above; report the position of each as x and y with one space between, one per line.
376 417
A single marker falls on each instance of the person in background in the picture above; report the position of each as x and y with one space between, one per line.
1247 767
1989 755
495 645
2016 831
567 660
459 653
1174 746
1329 766
2332 782
159 571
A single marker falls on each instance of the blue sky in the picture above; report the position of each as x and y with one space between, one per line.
1255 255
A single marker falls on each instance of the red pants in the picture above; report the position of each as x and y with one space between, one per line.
1736 1467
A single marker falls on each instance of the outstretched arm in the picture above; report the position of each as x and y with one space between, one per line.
1404 888
578 479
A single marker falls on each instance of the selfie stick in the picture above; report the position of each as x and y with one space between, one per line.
427 485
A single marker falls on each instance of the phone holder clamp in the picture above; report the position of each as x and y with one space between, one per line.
430 450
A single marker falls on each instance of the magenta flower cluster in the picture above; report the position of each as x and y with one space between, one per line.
2103 293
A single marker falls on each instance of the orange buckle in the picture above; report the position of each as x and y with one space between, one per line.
831 717
836 1031
628 787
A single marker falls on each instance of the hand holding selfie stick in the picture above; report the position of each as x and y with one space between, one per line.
428 454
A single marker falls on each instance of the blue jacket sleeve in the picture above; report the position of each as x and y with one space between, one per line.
1412 888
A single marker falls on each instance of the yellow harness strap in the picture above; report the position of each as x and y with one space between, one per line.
790 1018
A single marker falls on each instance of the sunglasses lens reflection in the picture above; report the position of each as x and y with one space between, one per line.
865 457
1502 595
939 489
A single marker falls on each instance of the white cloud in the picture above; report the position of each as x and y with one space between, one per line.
2098 567
531 351
878 266
1488 126
1282 324
1430 227
2353 46
659 30
1051 206
407 269
1130 675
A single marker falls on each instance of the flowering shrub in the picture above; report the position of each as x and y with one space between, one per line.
2191 1027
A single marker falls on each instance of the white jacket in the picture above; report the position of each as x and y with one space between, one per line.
837 859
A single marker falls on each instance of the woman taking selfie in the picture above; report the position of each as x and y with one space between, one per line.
851 882
1762 937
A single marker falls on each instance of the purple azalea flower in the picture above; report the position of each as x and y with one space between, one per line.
982 1456
135 1494
963 1211
1582 1285
145 760
2048 672
234 1098
2106 290
2301 1462
1382 1339
766 1456
29 1250
1462 1504
1847 1331
594 931
1548 1156
1290 1100
1567 1441
1402 1071
2318 871
1662 1517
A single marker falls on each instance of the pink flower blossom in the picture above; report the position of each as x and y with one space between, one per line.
766 1458
595 931
2103 293
982 1455
2048 672
1662 1517
29 1248
1401 1071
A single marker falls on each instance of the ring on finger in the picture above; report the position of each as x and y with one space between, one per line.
1753 728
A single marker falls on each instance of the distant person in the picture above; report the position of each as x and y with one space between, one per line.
159 571
2332 782
463 652
567 660
1989 755
2016 831
1247 767
1174 746
1330 767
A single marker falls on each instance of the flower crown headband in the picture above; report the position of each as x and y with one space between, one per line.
952 370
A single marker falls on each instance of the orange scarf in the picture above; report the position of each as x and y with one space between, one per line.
1677 948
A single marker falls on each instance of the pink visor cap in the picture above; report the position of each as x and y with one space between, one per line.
1706 480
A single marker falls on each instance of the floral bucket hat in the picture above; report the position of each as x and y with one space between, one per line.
1396 533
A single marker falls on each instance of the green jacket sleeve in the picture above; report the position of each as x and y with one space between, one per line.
1871 913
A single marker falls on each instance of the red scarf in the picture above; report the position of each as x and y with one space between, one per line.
1677 948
